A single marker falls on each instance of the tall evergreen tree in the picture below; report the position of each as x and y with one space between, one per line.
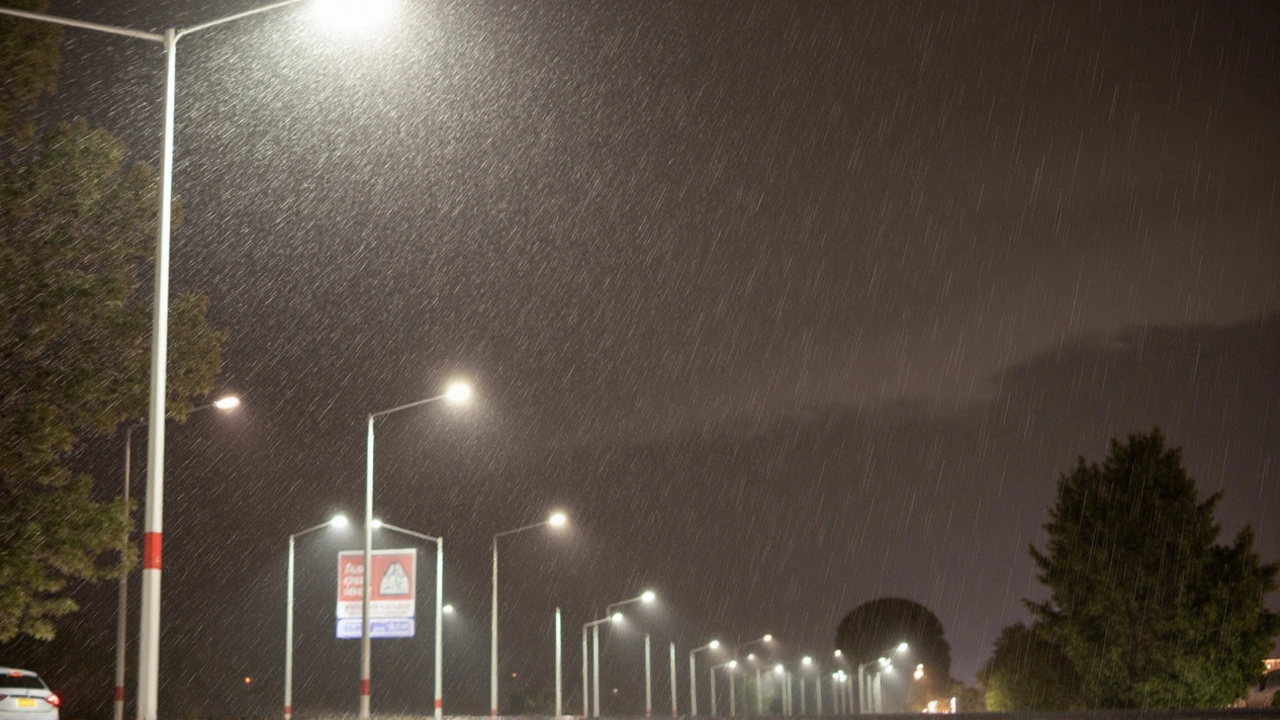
1148 609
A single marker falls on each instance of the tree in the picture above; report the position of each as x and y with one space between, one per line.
1028 673
875 628
1149 611
76 233
28 66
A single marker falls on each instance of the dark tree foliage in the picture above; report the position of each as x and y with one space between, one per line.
76 237
1028 673
1149 610
28 66
873 629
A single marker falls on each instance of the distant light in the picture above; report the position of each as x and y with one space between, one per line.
248 680
806 660
779 669
515 675
227 403
767 638
902 647
457 393
751 656
919 673
447 609
617 617
339 521
557 519
352 15
839 654
375 524
884 663
714 644
733 664
648 596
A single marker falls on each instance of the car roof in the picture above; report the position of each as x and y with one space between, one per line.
16 671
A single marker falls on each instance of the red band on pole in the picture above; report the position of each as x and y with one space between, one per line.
151 551
119 694
288 709
364 687
439 703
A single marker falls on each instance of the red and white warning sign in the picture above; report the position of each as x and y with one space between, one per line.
393 583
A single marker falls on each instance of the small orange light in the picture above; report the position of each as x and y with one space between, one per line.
515 675
248 680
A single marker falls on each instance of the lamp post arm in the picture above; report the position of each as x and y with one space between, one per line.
631 601
521 529
428 538
41 17
237 16
309 530
398 408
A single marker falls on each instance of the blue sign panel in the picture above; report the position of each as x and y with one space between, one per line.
350 628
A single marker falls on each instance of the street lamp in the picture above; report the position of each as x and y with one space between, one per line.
339 522
730 666
556 520
864 705
763 640
611 614
456 393
122 622
439 635
693 675
149 634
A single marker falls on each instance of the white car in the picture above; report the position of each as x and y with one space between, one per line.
24 696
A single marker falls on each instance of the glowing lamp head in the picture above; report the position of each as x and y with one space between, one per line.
447 609
458 393
902 647
616 617
352 15
751 656
779 669
648 596
884 663
557 519
376 524
339 521
767 638
229 402
733 664
806 660
838 654
714 645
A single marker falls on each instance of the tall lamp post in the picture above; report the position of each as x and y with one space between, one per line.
228 402
762 640
594 626
149 634
337 521
868 704
439 635
693 675
730 667
556 520
457 393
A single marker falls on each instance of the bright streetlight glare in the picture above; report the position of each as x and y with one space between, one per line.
733 664
648 596
616 617
779 669
751 656
902 647
714 645
227 403
339 521
767 638
375 524
458 393
352 15
447 609
806 660
557 520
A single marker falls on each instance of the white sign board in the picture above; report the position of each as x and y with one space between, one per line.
393 581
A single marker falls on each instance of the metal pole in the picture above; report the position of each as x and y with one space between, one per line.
586 674
712 669
878 694
817 691
648 678
804 709
675 709
595 664
693 685
862 695
365 644
288 640
733 691
559 668
493 635
759 696
439 628
149 632
122 619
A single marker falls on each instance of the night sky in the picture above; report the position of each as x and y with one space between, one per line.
789 305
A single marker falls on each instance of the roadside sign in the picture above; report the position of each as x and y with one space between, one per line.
391 602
